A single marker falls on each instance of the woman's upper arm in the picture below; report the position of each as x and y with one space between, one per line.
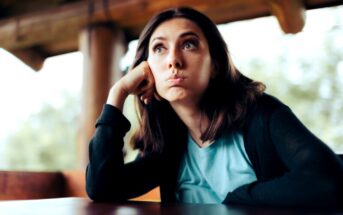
298 148
313 175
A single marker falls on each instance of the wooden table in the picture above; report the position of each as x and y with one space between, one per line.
80 206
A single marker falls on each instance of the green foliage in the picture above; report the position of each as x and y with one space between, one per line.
311 85
47 140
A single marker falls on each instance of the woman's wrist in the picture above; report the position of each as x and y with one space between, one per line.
117 96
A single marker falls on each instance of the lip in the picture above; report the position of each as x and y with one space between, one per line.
176 80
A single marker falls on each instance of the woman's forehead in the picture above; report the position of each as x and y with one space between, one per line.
176 26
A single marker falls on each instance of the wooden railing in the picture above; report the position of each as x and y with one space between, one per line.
15 185
38 185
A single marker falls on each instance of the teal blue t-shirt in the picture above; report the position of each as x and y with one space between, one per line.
208 174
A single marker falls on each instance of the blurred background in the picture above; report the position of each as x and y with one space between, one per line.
40 111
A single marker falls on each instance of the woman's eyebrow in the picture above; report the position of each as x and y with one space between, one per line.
158 38
184 34
189 33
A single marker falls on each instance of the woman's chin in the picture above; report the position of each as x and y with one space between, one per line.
175 97
182 100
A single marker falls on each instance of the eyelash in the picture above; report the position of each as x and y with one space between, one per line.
192 42
156 47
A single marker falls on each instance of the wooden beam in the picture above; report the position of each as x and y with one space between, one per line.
66 21
41 28
290 14
54 27
32 57
61 47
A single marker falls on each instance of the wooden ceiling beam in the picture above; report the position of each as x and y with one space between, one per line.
57 24
290 14
35 36
41 28
32 57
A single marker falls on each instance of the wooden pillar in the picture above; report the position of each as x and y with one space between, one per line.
102 45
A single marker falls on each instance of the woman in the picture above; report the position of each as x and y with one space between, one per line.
207 133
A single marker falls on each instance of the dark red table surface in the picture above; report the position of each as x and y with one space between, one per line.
73 206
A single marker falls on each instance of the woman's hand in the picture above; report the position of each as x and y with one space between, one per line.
138 81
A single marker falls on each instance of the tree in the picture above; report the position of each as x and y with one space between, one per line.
47 140
315 95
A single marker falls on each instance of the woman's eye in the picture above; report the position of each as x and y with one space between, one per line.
158 49
190 44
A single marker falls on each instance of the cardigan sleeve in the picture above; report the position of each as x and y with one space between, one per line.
107 177
313 176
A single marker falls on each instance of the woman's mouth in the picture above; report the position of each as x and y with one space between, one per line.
176 80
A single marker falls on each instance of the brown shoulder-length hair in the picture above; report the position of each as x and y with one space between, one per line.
224 102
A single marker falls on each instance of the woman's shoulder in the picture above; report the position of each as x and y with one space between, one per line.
261 112
269 103
265 105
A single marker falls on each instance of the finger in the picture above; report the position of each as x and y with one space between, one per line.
145 100
151 84
146 89
137 78
147 95
150 80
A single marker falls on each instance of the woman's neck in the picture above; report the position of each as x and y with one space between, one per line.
194 119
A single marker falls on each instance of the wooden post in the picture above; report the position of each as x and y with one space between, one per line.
102 46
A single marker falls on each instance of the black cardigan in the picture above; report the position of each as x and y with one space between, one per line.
293 167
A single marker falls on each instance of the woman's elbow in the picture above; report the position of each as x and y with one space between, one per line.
103 196
332 193
94 194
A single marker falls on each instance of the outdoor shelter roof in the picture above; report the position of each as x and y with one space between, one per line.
36 29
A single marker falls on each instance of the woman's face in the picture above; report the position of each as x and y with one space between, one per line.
179 60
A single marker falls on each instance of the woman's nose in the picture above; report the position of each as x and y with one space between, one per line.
175 60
